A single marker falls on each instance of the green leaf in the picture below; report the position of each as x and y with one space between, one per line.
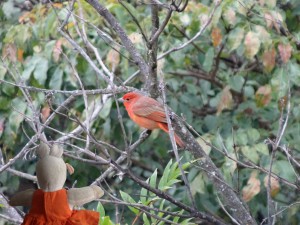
101 210
241 137
283 169
56 79
107 221
253 135
10 11
236 83
249 91
145 219
16 117
235 38
153 179
8 90
261 148
209 58
204 142
162 185
4 102
152 182
144 196
127 198
198 185
106 109
3 71
40 72
211 122
250 153
51 24
29 68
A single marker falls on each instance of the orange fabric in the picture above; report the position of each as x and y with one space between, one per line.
52 208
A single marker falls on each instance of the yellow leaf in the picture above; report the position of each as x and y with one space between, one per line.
252 188
268 59
57 50
252 44
269 20
113 59
135 38
9 51
263 96
225 101
20 54
216 36
27 17
230 16
57 5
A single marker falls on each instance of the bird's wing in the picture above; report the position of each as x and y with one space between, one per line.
149 108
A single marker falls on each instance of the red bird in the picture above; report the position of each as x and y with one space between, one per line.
147 113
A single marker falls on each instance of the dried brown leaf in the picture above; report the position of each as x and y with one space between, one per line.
57 50
113 59
20 54
45 113
285 52
226 100
269 20
252 188
274 185
10 52
263 96
135 38
268 58
216 36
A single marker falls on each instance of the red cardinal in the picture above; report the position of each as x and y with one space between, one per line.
147 113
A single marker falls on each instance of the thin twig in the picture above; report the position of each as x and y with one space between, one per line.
135 20
155 36
203 28
174 146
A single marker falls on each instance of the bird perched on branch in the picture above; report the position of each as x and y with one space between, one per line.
147 113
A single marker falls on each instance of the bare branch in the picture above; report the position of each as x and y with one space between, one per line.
144 68
198 34
174 146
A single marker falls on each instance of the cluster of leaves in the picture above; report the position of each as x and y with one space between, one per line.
155 205
234 81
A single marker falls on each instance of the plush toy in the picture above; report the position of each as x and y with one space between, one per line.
52 204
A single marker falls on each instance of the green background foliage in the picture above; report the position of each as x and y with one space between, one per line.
231 85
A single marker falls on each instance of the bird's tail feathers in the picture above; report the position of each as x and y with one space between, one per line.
164 127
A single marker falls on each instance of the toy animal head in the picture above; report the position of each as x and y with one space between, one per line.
51 170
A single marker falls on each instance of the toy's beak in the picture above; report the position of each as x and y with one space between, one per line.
121 100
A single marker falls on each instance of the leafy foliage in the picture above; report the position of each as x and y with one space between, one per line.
235 85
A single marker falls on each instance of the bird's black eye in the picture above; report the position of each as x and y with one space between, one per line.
127 99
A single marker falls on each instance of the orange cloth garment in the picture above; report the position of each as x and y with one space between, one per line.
52 208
